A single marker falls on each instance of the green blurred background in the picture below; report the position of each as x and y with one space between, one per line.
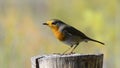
22 34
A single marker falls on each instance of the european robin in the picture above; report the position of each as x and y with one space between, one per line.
68 34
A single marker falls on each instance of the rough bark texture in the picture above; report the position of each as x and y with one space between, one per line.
68 61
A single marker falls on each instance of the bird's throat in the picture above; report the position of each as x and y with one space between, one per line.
58 34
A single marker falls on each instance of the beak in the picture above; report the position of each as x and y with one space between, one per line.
45 24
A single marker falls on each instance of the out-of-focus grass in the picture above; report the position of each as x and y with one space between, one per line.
22 34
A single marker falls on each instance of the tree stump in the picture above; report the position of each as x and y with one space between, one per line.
68 61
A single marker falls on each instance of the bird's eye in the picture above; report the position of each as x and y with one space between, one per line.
54 23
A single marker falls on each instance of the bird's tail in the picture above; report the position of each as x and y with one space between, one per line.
96 41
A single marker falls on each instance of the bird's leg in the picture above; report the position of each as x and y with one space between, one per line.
73 48
68 49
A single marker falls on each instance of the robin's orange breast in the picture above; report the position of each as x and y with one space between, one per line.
59 35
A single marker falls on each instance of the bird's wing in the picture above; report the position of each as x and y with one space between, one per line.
72 31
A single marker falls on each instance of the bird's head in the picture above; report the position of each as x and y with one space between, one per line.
54 23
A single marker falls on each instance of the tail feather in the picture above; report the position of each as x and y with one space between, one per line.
96 41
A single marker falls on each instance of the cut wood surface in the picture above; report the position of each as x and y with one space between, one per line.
68 61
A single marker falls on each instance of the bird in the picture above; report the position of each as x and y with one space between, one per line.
68 34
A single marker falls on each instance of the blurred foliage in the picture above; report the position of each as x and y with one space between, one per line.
22 34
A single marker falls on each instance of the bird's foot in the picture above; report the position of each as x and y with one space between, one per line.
72 53
68 53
